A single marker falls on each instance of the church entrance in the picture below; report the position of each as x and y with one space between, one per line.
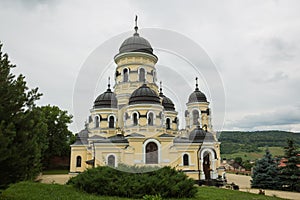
206 166
151 153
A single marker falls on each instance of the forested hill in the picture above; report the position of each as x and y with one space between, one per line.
233 141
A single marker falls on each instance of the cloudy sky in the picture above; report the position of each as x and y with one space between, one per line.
254 45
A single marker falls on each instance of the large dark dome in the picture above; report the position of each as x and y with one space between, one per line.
106 100
136 44
144 95
197 96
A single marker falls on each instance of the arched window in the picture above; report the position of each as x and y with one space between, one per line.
111 122
135 119
196 117
154 76
97 122
185 160
151 153
168 123
142 75
111 161
125 75
78 161
150 119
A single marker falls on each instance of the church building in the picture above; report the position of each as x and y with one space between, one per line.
134 123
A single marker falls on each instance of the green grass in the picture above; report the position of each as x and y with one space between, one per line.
57 171
37 191
275 151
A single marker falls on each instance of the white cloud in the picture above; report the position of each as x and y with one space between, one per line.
255 45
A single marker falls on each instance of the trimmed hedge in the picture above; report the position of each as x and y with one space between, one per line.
107 181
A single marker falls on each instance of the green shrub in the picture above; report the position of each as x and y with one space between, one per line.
164 182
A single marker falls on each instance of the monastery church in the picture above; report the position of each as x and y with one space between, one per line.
134 123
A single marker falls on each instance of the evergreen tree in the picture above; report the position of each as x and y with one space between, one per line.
58 136
265 173
21 127
290 173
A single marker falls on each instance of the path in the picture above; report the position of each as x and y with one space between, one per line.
244 183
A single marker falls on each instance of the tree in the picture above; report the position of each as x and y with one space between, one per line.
58 137
265 173
21 127
238 160
290 173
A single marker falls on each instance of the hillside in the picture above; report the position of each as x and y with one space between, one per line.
251 145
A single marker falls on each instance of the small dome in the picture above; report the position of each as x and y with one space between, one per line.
144 95
198 135
168 104
106 100
136 44
197 96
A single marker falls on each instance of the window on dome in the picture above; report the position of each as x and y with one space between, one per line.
125 75
111 122
196 117
185 160
142 75
111 161
78 161
135 119
150 119
168 123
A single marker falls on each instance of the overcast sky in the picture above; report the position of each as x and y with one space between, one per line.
254 45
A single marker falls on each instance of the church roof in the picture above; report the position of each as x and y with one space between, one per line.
197 96
81 137
136 43
107 99
165 135
144 95
135 135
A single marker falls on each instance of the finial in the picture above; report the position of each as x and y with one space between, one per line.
108 85
160 89
136 27
197 83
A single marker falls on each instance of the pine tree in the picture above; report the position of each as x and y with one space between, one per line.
21 127
265 173
290 173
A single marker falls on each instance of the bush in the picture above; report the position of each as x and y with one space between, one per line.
164 182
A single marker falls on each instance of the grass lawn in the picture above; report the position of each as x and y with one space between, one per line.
275 151
55 171
37 191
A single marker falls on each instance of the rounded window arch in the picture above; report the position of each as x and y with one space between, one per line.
111 160
78 161
111 121
97 121
168 123
142 75
125 75
186 159
150 118
135 118
151 153
195 117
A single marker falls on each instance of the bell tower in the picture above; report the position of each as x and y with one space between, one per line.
198 112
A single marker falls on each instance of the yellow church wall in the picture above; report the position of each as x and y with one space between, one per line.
84 154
